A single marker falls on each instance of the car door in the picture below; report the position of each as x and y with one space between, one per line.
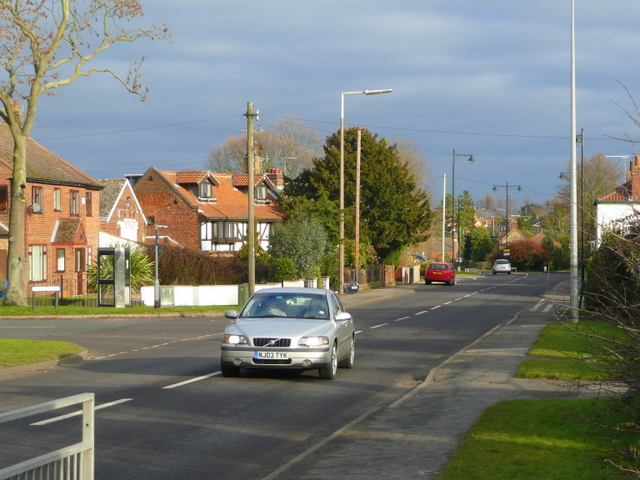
344 328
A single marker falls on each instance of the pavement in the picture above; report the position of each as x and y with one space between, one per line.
399 440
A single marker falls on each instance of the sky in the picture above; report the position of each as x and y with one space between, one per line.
489 78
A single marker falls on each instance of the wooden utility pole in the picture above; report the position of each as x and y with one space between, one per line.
251 226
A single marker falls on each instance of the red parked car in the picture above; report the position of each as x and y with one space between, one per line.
440 272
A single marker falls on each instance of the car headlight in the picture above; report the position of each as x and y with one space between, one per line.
234 339
313 341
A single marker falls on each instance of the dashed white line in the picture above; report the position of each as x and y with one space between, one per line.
437 306
79 412
420 313
186 382
378 326
401 318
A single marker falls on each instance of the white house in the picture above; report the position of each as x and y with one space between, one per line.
620 208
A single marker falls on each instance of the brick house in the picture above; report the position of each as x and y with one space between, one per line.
209 211
61 221
617 209
121 216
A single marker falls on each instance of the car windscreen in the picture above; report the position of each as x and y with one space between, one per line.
286 305
437 266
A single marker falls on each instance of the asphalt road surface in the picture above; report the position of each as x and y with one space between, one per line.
164 411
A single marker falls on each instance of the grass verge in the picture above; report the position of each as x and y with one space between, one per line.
551 439
11 311
14 352
534 439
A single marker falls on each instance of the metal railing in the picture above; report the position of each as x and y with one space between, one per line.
75 462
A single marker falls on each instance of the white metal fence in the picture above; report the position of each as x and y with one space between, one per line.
74 462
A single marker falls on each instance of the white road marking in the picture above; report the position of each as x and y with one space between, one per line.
186 382
79 412
401 318
378 326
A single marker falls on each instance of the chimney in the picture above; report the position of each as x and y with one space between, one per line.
16 107
634 174
277 177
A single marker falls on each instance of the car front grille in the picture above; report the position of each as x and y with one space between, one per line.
272 342
271 362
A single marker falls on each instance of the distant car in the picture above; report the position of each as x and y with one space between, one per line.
502 266
351 287
289 328
440 272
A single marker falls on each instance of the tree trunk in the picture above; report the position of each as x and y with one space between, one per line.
17 258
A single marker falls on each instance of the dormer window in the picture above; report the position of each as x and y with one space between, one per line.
261 193
205 190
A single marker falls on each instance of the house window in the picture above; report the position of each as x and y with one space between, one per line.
261 193
89 256
60 259
89 204
228 230
79 260
36 199
4 198
57 200
205 190
151 220
74 202
38 261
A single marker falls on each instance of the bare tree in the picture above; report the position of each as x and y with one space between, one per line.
48 44
288 144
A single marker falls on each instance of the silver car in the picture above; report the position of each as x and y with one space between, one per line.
502 266
289 328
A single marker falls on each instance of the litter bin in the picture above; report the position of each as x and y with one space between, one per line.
243 294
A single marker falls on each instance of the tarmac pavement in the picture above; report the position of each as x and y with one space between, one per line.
400 441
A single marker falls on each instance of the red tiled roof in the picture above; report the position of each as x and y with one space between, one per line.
230 203
190 177
43 165
623 193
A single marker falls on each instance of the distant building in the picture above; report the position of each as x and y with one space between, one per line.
121 216
620 208
209 211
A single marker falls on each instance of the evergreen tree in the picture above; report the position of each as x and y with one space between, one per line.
394 211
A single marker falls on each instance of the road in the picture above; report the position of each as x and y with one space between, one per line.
165 412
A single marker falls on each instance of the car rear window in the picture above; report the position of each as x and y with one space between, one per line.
438 266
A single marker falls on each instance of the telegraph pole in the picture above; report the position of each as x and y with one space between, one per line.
251 226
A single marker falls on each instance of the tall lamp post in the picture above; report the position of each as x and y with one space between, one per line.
156 281
455 211
495 188
341 246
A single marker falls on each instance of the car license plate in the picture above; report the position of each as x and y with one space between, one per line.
437 273
271 355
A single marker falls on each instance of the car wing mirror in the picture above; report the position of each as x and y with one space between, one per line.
343 316
231 314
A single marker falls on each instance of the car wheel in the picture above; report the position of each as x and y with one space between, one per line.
508 273
495 273
329 373
229 370
427 282
349 361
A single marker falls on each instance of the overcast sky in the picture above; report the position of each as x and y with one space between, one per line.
489 78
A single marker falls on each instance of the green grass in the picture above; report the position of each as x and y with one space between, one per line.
539 439
22 352
560 353
550 439
10 311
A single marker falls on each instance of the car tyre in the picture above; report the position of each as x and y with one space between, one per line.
329 372
230 370
495 272
427 282
350 359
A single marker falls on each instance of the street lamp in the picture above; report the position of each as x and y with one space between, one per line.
156 282
495 188
341 246
455 211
